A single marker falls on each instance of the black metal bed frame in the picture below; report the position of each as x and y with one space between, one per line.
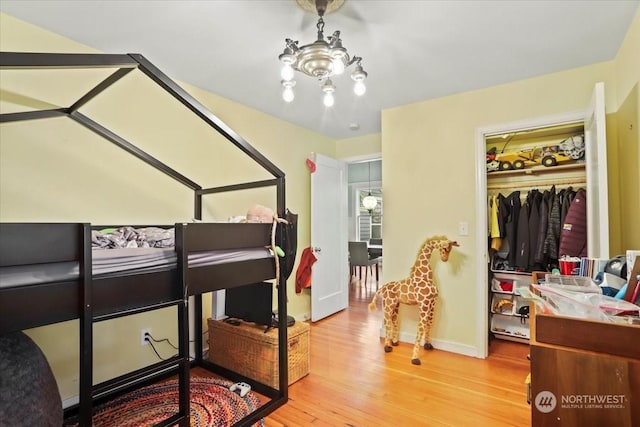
123 64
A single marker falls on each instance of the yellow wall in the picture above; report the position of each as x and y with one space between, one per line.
627 78
360 146
430 165
628 147
56 170
627 61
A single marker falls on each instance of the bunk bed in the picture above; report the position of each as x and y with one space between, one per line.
41 286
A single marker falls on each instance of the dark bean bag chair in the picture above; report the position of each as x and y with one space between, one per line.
29 394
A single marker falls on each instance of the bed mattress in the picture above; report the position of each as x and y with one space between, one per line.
121 261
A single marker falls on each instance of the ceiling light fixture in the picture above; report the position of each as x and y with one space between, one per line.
321 59
369 202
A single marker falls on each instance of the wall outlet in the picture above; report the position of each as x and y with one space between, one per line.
143 332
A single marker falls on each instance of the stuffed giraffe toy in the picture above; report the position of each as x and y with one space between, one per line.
417 289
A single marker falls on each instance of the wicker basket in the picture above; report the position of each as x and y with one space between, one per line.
249 351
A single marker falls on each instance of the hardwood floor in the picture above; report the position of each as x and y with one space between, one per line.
353 382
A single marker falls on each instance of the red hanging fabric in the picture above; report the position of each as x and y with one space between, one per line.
303 274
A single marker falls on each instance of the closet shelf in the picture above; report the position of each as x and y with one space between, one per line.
538 170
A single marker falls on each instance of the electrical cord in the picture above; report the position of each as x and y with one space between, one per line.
151 338
156 351
203 334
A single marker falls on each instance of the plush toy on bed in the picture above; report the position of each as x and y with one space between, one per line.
259 213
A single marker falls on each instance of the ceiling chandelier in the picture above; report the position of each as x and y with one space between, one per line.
321 59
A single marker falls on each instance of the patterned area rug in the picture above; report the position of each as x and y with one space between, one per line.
212 405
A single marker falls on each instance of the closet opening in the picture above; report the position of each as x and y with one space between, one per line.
532 178
521 164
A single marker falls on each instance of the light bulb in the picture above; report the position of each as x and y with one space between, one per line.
369 202
338 65
287 72
328 99
359 76
287 94
328 88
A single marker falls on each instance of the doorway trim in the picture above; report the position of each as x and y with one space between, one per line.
482 260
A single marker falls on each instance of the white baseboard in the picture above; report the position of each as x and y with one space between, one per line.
73 400
302 317
444 345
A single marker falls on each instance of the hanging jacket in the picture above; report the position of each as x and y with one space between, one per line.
540 257
513 205
528 224
573 236
567 196
494 226
522 237
535 199
552 239
503 215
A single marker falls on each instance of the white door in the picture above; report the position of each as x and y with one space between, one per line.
597 194
329 281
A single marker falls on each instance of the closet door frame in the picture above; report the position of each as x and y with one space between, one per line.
482 288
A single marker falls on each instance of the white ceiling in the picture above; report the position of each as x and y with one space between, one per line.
413 50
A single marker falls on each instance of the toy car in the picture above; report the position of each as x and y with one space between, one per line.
547 156
493 165
552 155
573 147
517 160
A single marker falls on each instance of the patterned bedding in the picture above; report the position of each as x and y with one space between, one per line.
126 251
129 237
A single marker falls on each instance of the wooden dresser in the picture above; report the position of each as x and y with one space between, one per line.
584 373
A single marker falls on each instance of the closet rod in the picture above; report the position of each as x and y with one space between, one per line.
536 184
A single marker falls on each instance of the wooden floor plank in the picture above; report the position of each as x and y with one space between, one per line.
354 383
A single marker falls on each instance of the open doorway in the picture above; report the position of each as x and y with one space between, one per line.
365 225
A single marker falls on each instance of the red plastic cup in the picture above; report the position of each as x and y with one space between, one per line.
569 267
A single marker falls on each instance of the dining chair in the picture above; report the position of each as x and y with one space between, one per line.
377 251
359 257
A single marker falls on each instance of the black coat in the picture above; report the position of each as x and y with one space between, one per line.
552 238
513 205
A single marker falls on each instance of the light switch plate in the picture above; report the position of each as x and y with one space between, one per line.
463 228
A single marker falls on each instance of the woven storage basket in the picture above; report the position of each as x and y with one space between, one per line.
248 350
